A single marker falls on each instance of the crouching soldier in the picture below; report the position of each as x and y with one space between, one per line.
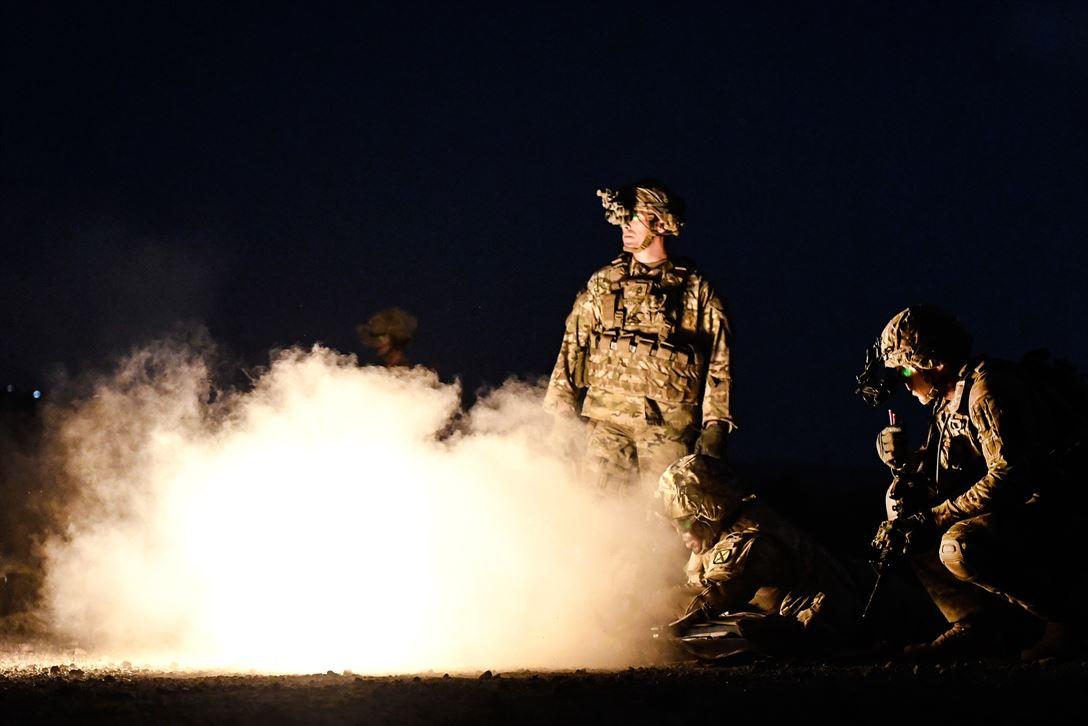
749 568
995 491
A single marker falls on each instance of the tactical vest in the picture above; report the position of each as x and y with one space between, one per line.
643 344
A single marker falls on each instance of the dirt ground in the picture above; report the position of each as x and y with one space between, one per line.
968 692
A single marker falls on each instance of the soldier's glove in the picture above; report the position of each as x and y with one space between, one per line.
891 447
902 537
712 441
889 545
694 614
909 493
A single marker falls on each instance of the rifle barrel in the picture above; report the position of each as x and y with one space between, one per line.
872 593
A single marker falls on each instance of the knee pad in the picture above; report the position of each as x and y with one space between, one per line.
952 558
963 551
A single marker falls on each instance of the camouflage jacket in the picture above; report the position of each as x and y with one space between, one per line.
989 443
762 561
646 344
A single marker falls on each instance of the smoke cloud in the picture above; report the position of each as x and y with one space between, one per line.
340 517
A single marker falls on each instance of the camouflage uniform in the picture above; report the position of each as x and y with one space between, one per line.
759 562
649 347
996 490
997 493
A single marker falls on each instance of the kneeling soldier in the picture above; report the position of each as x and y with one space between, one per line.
990 498
746 558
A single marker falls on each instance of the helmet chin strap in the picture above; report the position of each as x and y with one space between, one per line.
649 238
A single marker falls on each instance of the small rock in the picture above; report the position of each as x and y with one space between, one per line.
331 673
486 676
445 675
417 679
75 672
126 665
915 670
54 670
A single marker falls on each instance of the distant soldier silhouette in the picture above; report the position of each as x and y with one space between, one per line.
389 332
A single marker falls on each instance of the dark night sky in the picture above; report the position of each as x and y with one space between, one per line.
280 174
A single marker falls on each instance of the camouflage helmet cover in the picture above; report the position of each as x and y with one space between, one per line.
647 196
924 337
699 487
392 323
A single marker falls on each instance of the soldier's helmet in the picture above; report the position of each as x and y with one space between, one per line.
392 323
699 487
923 337
648 196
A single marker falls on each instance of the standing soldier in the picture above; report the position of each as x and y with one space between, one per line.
647 343
388 332
987 502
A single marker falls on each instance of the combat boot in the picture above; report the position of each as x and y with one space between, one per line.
968 638
1059 640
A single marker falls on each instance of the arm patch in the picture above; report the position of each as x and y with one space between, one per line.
728 558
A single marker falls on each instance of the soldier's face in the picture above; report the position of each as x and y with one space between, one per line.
383 345
636 230
923 385
697 538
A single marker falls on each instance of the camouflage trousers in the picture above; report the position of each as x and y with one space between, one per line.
619 457
1017 555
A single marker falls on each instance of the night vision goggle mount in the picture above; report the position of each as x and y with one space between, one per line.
876 383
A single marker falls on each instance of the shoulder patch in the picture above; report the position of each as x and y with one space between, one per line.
727 557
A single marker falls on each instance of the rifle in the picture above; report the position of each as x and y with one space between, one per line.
909 490
895 538
891 545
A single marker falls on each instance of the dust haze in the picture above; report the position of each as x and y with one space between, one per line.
340 517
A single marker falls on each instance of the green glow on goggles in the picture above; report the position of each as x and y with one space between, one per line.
684 524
